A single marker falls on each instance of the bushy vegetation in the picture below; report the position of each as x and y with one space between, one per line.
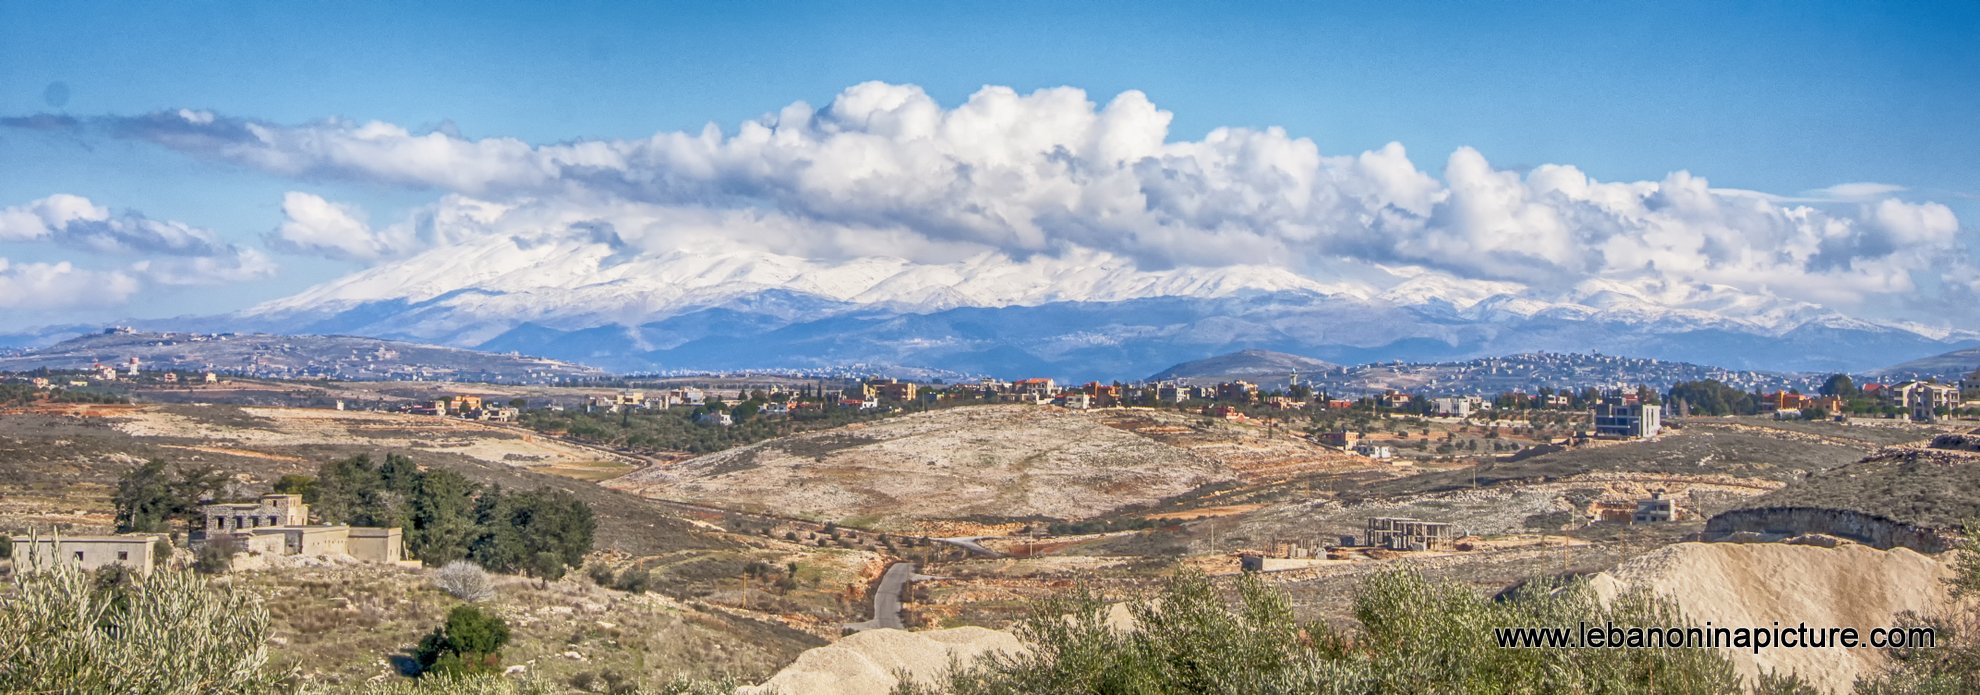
447 518
541 533
674 429
18 394
1710 397
63 630
1415 637
216 555
470 642
154 494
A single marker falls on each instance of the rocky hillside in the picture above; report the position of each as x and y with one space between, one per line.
291 356
987 462
1258 366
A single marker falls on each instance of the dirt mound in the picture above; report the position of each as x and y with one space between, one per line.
987 462
1758 584
869 663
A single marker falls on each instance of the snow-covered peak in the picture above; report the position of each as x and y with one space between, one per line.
476 288
572 279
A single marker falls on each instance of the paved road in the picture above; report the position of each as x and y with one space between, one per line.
887 599
970 544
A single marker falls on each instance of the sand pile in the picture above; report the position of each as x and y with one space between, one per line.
869 662
1756 584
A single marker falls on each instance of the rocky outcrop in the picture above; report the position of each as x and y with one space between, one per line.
1868 529
1898 497
1957 442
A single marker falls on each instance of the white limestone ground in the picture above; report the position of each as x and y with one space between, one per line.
991 461
872 661
1756 584
301 427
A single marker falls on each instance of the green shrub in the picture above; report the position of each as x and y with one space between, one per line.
66 631
216 555
600 573
470 642
161 552
635 579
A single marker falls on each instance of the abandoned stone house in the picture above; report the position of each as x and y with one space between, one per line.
279 525
133 550
1400 533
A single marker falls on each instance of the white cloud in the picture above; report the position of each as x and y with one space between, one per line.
168 252
75 221
313 225
1855 190
884 169
43 218
58 286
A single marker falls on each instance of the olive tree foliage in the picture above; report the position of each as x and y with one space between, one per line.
63 631
1415 636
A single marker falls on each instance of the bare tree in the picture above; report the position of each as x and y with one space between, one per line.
465 581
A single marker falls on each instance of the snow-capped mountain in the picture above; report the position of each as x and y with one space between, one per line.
471 292
1085 313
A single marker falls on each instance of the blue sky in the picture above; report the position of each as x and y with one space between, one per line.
1776 97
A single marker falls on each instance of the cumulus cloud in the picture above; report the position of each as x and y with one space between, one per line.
885 169
167 252
312 225
57 286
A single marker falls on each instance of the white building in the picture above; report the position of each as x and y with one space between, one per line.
1374 451
1459 406
1922 400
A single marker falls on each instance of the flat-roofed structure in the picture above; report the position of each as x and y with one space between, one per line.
310 540
376 544
1656 509
134 550
1624 417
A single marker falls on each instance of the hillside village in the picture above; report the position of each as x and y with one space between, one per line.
793 499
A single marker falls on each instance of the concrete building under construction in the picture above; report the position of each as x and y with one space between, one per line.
1400 533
